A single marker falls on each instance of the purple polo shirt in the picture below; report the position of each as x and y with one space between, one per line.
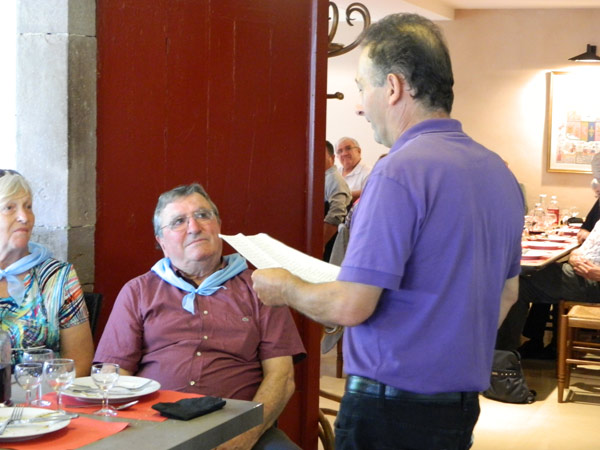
217 351
438 227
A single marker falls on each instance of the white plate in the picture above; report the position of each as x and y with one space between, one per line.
534 254
116 395
29 431
543 245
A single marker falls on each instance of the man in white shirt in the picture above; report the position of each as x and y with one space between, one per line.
353 170
337 200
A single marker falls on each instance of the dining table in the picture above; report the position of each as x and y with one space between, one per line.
141 427
539 249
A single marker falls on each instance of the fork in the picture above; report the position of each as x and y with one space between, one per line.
15 415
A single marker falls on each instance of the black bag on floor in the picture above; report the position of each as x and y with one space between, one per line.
508 383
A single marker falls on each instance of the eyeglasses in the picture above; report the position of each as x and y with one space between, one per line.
180 223
9 171
345 149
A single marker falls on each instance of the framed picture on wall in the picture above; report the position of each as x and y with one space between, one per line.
573 121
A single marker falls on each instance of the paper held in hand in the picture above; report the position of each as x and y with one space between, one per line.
264 252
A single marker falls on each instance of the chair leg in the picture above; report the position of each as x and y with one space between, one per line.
562 355
571 333
326 432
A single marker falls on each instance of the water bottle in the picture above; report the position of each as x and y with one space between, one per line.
5 366
553 208
543 202
538 215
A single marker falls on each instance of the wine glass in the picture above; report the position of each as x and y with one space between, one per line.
59 373
38 355
29 377
574 211
549 221
105 375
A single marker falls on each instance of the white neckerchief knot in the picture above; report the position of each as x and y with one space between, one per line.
16 287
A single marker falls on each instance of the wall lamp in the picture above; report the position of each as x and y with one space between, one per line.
588 56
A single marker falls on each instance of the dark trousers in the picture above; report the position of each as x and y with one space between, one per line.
275 439
380 423
547 286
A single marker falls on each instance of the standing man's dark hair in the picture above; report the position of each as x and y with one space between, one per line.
412 46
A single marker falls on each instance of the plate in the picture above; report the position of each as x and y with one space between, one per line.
15 433
534 254
543 245
553 238
118 394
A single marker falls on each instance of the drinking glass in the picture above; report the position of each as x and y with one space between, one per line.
549 221
59 373
38 355
574 211
105 375
29 377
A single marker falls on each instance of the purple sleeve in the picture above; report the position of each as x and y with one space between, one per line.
121 341
381 238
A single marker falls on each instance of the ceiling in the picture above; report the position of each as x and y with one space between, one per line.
444 9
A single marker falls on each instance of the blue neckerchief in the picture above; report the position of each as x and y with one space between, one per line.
16 287
235 264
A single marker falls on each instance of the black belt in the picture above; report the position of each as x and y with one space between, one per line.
366 386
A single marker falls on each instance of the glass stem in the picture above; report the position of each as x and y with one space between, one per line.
39 393
59 397
27 397
105 399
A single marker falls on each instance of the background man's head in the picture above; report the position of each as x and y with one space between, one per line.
348 153
329 155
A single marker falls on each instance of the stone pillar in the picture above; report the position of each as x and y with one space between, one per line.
56 124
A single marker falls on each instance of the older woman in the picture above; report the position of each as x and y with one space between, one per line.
41 300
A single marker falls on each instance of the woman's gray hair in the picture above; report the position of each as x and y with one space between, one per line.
12 184
184 190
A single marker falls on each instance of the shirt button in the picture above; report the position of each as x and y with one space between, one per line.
192 383
205 337
205 312
198 353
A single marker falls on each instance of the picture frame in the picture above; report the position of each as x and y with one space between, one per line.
573 122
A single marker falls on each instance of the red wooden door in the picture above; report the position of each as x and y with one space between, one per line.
228 93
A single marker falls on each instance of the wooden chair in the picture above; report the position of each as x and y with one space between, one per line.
573 350
325 430
93 301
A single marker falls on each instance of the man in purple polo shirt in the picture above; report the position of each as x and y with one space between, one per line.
194 323
433 260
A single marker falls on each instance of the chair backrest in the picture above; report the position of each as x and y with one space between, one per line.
93 301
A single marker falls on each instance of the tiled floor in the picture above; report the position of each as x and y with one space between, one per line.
543 425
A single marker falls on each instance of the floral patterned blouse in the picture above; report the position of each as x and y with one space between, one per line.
53 301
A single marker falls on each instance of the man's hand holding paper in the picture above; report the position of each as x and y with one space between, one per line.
271 284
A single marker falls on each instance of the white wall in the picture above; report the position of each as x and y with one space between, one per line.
8 50
500 58
341 117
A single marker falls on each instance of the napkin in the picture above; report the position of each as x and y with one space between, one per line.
188 408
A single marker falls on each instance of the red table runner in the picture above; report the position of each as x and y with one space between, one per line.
81 431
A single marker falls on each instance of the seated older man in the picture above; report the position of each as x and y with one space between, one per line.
194 323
